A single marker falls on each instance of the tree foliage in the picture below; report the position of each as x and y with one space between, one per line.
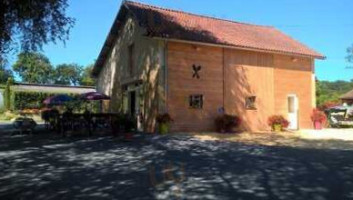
33 67
5 74
29 24
67 74
327 91
86 78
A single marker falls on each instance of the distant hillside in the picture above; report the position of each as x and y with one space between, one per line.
331 91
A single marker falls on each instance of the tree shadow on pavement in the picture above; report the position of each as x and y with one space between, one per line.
168 167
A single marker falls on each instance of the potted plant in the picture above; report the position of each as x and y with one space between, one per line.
163 121
277 123
318 118
227 123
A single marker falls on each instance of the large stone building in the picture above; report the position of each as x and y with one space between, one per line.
158 60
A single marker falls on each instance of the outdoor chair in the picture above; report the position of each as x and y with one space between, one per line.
25 125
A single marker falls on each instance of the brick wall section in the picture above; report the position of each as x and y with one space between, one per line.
271 78
294 77
181 57
249 74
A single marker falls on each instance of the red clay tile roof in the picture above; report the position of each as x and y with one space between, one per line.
174 24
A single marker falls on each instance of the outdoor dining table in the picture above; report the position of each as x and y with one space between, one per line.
88 121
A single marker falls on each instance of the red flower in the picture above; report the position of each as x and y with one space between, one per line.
278 120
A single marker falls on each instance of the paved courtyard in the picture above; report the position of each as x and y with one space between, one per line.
168 167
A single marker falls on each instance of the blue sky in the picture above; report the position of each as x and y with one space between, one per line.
324 25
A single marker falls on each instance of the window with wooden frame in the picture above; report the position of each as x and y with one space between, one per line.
250 102
131 51
196 101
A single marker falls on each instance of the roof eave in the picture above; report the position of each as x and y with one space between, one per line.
321 57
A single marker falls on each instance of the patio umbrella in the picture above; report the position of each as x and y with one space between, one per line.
94 96
58 99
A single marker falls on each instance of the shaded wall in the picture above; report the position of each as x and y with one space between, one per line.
249 74
148 69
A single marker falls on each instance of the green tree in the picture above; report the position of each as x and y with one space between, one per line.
327 91
29 24
7 94
33 67
67 74
86 78
5 74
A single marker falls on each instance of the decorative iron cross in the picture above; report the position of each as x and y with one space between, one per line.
196 71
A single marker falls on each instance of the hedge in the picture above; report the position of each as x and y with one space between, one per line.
29 100
21 100
7 94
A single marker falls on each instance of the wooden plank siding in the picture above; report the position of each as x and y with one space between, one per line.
228 76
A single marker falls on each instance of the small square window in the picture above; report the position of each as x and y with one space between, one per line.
196 101
250 103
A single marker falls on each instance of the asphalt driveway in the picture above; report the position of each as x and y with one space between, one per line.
169 167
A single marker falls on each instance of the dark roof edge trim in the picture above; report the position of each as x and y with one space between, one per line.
240 48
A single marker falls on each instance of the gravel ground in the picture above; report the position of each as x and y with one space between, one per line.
46 166
329 133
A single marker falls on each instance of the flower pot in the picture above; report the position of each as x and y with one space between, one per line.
317 125
163 128
277 127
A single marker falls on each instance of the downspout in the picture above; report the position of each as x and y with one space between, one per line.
224 81
166 93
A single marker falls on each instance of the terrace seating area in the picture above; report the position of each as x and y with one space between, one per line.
340 117
60 117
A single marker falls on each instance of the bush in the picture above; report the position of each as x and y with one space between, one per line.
277 120
226 123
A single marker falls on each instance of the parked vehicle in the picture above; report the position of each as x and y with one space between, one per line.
340 117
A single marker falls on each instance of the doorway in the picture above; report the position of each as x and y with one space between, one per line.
293 112
132 103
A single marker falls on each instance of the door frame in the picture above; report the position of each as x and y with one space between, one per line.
296 111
